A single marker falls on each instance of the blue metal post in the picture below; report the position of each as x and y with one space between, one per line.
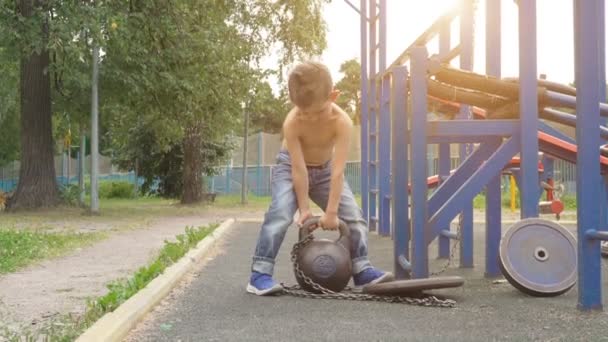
384 146
385 158
466 63
493 195
400 138
373 110
602 59
258 171
444 149
587 139
364 114
418 135
228 176
528 106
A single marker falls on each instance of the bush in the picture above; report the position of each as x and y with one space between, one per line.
119 189
70 193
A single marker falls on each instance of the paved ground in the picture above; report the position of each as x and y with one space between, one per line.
212 305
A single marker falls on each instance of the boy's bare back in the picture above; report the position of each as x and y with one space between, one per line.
318 135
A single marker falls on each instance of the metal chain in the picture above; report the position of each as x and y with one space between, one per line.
347 294
453 251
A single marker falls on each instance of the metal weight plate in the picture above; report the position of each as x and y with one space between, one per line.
403 287
538 257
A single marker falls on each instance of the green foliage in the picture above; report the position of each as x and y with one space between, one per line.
9 138
169 68
267 110
70 194
68 329
163 167
19 248
122 290
349 87
9 110
116 190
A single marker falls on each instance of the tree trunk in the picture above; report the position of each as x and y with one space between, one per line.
37 181
192 175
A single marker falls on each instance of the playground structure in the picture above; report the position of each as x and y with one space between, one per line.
493 120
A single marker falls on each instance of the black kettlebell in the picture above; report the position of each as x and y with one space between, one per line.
327 263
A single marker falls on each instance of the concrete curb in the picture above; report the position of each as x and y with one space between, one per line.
114 326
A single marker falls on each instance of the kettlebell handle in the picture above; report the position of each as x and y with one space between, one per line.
313 223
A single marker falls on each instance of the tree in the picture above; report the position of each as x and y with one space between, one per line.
189 66
267 110
349 86
37 184
9 111
42 34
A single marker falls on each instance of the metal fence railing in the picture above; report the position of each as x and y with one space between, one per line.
228 179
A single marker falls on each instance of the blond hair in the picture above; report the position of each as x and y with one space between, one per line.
309 83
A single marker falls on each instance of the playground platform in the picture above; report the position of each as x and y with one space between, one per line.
214 306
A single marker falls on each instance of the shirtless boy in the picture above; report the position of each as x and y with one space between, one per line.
311 165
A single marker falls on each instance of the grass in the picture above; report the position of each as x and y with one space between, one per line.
29 236
19 248
69 328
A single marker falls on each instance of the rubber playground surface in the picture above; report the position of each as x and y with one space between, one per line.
213 305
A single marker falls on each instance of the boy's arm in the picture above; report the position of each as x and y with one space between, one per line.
299 172
337 174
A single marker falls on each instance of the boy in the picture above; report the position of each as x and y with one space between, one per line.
311 163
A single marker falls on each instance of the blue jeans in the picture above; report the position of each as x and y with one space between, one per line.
281 213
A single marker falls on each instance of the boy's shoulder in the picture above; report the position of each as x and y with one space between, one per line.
339 119
341 115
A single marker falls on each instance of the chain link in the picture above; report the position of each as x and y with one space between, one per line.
453 251
347 294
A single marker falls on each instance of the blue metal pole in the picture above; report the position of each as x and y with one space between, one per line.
373 105
602 60
384 146
258 171
556 99
466 63
228 176
493 195
528 108
568 119
400 138
587 139
364 114
418 133
444 149
385 158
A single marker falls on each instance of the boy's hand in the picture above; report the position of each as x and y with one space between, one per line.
304 215
329 221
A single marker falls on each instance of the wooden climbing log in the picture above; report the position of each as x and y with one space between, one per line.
467 96
482 83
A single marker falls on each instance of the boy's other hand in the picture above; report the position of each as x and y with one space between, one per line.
329 221
304 215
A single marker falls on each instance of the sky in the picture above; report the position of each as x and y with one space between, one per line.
407 19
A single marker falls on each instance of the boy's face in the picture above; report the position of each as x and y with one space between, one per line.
321 108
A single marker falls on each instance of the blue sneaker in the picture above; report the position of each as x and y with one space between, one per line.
371 276
262 284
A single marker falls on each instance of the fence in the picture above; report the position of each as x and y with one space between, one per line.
229 179
66 171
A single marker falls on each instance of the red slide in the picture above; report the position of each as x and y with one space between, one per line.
563 150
